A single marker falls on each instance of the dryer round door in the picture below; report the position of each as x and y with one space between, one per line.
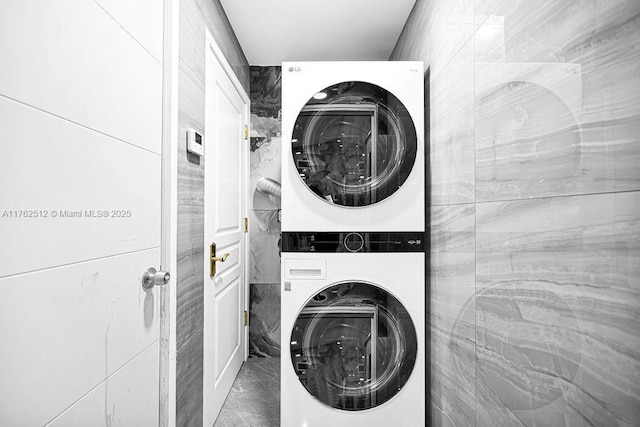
354 144
353 346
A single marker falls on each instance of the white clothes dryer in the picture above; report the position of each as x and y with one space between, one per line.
353 330
353 146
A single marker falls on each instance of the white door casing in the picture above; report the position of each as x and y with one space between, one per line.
225 208
169 252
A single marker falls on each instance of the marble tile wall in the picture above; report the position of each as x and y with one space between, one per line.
534 130
195 17
264 324
264 320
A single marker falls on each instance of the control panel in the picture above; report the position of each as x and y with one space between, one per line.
353 241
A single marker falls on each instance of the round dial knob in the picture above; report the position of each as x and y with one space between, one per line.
354 242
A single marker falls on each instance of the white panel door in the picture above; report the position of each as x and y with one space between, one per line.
80 216
226 177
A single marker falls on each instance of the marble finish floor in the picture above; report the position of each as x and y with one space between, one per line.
254 400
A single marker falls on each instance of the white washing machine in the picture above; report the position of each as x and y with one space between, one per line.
353 330
353 146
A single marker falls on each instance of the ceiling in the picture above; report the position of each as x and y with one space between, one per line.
272 31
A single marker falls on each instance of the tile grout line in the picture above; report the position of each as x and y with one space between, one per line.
560 196
103 381
49 113
470 39
77 263
126 31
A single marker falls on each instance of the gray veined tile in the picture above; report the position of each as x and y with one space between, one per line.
265 163
452 150
266 104
557 307
191 115
264 321
452 362
452 268
543 32
551 307
189 374
559 114
190 273
254 399
265 128
264 247
220 28
412 45
266 88
527 135
491 411
452 315
195 17
453 25
452 229
528 346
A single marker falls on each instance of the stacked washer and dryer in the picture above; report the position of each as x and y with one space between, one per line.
353 246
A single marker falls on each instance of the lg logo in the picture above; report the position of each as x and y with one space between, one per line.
295 69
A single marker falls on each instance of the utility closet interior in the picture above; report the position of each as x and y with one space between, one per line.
320 213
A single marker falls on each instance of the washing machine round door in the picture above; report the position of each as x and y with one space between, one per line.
353 346
354 144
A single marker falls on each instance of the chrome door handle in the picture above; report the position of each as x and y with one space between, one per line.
151 278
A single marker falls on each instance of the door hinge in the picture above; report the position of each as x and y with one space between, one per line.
246 224
246 132
246 318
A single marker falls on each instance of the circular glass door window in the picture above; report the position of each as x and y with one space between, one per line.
353 346
354 144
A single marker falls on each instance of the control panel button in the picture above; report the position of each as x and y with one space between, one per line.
354 242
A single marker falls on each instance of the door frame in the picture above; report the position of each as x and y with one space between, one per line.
169 215
169 250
